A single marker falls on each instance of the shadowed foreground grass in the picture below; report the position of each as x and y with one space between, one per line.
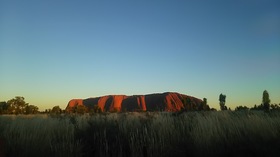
142 134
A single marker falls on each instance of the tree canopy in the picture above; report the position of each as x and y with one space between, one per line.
17 105
222 99
56 110
266 100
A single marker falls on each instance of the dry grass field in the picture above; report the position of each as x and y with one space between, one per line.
144 134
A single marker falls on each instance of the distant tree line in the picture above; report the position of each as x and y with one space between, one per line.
18 105
81 109
264 106
190 105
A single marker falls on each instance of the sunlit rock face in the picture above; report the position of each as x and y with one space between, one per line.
152 102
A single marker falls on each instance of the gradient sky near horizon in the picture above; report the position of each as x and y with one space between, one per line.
53 51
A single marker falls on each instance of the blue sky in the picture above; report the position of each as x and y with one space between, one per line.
53 51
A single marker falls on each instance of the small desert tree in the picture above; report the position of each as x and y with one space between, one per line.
241 108
204 106
81 109
31 109
205 101
56 110
95 109
266 100
17 105
3 107
275 107
222 99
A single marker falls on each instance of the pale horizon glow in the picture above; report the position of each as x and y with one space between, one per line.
55 51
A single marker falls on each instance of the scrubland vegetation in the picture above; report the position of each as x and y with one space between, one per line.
90 133
221 133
